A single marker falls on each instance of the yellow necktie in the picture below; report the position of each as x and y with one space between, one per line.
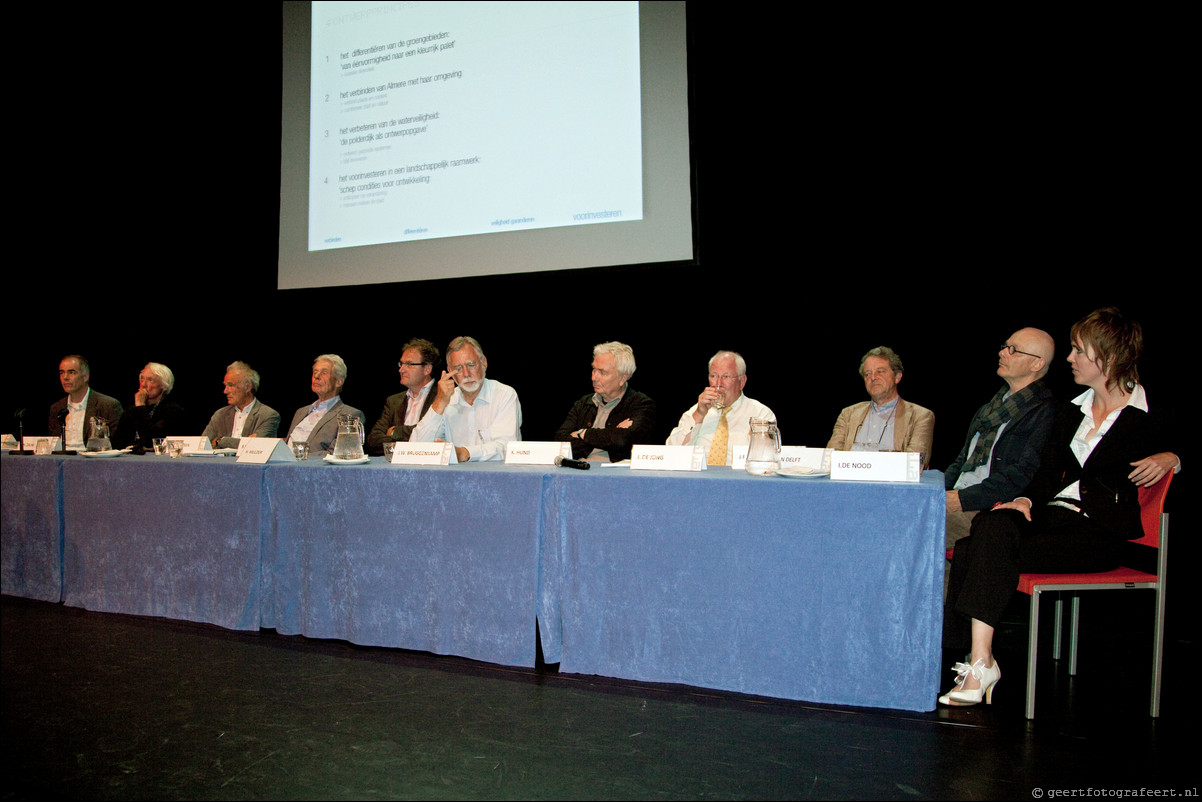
718 444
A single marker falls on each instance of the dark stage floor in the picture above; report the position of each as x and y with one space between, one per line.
99 706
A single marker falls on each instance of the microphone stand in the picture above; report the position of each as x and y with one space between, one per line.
21 450
62 426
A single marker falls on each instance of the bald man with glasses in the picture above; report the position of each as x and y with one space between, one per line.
1006 436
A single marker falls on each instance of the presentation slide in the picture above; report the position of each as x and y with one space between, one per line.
451 119
446 139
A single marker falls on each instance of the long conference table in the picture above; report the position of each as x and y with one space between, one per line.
760 585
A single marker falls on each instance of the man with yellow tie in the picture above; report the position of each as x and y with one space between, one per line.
719 419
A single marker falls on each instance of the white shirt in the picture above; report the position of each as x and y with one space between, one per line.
73 426
317 411
240 417
414 407
738 421
483 427
1083 445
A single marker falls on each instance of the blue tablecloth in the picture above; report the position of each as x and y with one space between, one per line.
31 534
438 559
177 538
803 589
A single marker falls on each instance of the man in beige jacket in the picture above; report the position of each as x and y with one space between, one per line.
886 422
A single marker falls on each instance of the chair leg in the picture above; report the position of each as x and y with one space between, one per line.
1032 652
1073 635
1058 630
1157 651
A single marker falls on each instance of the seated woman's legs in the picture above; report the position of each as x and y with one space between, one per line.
986 566
983 577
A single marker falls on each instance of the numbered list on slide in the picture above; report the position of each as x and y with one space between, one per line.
449 119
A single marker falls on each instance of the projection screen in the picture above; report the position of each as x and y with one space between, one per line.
424 140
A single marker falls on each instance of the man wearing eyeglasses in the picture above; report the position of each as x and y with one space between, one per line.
403 410
1006 436
719 420
886 422
477 414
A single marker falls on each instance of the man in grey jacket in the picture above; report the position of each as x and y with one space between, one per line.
245 416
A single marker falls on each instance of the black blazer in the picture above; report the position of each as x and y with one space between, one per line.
393 415
1108 497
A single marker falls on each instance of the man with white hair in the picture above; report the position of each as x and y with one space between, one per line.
153 414
244 415
720 420
479 415
608 422
317 423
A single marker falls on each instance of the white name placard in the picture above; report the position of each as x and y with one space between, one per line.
424 454
30 442
876 466
535 452
816 459
738 457
261 450
667 458
193 442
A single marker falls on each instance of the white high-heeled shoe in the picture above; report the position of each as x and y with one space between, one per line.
988 677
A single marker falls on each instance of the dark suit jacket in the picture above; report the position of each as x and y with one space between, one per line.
321 439
261 421
1108 497
618 442
1015 456
99 405
138 423
393 415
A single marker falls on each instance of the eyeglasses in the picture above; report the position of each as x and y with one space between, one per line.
723 376
404 364
1013 351
468 366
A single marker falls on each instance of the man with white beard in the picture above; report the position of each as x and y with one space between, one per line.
477 414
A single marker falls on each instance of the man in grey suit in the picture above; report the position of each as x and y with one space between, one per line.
245 415
72 416
317 423
403 410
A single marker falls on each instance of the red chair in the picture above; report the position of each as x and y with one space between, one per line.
1156 532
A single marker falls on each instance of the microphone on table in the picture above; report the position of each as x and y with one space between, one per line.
62 425
568 462
20 449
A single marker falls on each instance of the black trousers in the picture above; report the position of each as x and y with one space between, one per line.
1003 544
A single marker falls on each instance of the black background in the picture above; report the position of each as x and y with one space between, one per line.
931 184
